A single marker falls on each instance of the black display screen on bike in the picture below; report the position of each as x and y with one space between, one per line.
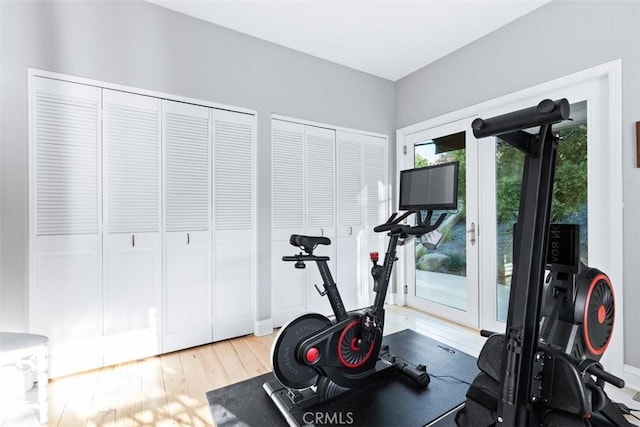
429 188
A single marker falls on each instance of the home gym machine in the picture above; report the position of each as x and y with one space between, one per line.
316 358
545 369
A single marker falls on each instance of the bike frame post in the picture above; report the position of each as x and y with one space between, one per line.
332 291
383 285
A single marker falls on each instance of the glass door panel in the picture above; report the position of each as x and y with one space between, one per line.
441 256
442 268
569 204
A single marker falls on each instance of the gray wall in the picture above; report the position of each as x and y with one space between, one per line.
558 39
142 45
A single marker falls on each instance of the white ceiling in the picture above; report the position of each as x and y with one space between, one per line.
386 38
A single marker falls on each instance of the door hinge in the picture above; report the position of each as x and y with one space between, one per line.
404 149
406 289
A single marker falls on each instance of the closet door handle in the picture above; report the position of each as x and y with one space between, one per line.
350 230
133 240
321 231
188 239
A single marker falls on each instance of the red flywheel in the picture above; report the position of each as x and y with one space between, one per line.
351 351
595 310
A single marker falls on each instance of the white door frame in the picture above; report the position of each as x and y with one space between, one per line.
609 259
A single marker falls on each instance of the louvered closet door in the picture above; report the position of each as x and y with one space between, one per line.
187 292
349 271
375 202
320 193
287 217
132 240
65 227
234 258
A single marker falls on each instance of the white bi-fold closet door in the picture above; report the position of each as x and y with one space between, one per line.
132 268
188 313
65 224
332 183
142 223
362 203
234 224
209 224
303 202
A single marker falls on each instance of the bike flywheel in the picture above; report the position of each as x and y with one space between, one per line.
286 367
351 351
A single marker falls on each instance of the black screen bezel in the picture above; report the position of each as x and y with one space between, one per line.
432 207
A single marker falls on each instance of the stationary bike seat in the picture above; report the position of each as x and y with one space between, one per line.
308 243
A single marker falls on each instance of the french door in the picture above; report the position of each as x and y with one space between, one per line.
445 277
442 272
466 276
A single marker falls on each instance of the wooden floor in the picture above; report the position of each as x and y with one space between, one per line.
169 390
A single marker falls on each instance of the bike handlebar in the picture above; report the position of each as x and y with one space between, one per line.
391 223
424 226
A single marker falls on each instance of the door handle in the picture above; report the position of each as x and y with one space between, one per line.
472 232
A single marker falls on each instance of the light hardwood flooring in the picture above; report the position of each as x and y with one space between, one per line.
169 390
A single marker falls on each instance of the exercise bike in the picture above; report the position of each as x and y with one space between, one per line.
544 370
316 358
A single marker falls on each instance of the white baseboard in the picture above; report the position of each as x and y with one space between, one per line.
632 377
263 327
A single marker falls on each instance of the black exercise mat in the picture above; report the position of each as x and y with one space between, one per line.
387 401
